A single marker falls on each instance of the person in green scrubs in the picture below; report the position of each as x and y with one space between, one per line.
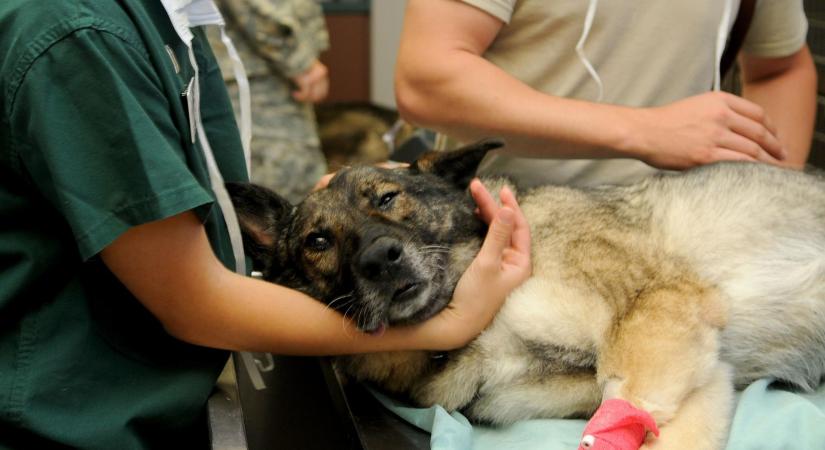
118 303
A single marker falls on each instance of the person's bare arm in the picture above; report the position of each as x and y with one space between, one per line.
170 267
444 83
786 89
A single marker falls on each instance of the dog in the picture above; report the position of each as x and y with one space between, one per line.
668 293
354 133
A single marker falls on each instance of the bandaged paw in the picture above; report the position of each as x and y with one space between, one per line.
617 425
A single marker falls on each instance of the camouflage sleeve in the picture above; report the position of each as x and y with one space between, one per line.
288 34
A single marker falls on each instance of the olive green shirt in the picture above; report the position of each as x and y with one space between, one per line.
95 139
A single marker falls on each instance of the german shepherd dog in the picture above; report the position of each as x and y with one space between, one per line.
667 293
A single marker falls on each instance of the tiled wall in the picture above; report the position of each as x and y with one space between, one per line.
816 40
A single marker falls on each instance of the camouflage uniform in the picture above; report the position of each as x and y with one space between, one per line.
277 40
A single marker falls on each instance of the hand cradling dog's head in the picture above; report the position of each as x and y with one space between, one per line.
383 246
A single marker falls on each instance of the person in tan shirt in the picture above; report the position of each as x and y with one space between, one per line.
606 92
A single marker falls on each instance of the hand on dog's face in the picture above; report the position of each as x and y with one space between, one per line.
383 246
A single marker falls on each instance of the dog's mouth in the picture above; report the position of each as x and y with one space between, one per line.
399 307
414 295
407 292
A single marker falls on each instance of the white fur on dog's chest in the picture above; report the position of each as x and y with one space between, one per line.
544 310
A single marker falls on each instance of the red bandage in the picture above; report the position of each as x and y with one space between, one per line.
617 425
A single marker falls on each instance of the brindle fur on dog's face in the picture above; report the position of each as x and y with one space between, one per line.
383 246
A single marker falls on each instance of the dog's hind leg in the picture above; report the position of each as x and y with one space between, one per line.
664 349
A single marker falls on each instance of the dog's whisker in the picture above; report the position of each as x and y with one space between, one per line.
345 319
338 307
346 312
435 247
333 306
344 326
349 297
361 318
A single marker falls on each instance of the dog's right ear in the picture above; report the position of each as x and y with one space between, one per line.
261 214
456 166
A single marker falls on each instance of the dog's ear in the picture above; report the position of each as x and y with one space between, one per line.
262 215
457 166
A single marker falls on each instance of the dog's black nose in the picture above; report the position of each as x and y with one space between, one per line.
381 258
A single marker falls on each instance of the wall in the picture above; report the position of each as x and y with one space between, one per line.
348 57
386 17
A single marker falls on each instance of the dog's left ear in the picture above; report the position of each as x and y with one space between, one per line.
262 215
457 166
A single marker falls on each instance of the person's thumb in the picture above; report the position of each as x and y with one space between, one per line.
499 234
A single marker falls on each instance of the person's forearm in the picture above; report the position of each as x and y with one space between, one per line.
272 318
170 267
789 99
463 95
240 313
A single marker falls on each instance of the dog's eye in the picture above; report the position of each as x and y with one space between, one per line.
318 242
387 199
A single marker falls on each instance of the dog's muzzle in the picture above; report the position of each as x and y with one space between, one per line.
381 259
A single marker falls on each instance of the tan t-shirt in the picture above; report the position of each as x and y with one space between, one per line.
646 52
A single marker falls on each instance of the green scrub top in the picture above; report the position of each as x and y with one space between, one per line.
95 139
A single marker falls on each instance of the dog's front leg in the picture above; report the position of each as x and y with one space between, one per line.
703 420
662 357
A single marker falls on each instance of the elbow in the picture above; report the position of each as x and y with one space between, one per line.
184 330
813 74
805 64
411 102
421 96
193 326
200 335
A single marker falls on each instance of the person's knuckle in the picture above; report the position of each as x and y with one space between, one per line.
720 114
759 113
763 135
704 155
717 134
753 149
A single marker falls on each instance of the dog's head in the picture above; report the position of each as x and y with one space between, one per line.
383 246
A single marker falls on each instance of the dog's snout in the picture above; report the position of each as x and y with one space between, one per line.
381 258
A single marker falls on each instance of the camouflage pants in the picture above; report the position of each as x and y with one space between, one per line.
286 151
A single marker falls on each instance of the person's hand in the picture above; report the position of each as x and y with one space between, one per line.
313 85
502 264
706 128
323 182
